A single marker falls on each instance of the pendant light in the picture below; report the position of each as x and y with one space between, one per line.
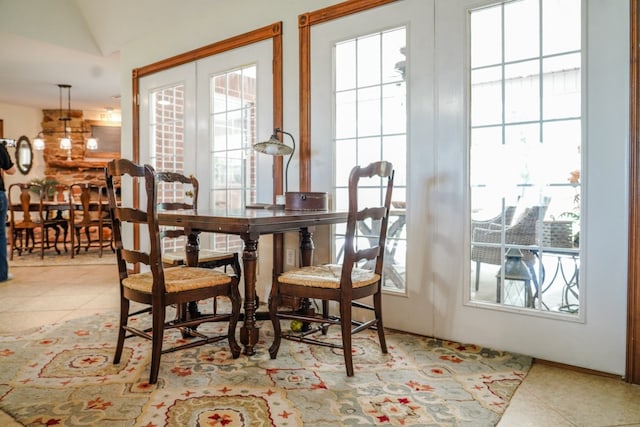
65 142
38 142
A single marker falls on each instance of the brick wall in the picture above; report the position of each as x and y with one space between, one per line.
55 159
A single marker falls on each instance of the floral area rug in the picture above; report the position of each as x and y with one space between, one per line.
63 375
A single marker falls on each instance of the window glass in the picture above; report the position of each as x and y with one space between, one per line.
525 154
370 125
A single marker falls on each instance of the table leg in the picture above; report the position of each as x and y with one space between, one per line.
249 332
306 245
192 250
306 254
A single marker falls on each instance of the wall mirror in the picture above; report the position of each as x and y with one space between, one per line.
24 155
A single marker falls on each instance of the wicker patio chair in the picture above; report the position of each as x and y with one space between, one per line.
522 232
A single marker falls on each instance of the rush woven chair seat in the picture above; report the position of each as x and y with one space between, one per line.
154 285
345 283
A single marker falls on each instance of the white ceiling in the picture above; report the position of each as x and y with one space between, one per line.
44 43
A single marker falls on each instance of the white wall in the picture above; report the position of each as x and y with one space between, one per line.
20 121
209 26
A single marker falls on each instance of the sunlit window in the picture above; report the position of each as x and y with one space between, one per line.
233 133
525 153
167 144
370 125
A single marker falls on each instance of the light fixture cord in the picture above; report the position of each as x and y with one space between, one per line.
286 170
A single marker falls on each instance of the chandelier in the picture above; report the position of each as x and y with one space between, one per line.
65 141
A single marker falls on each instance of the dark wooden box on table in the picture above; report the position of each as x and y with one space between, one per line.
306 201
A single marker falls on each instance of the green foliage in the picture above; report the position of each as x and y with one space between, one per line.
38 183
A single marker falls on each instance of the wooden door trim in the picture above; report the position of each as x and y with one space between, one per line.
273 32
305 21
632 374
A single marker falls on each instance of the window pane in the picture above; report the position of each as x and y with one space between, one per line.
346 159
369 111
369 150
522 142
486 37
560 26
345 62
561 87
522 91
521 30
394 119
563 141
346 114
393 56
486 96
393 151
368 59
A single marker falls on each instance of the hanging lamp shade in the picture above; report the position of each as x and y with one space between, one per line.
92 143
65 141
38 142
273 147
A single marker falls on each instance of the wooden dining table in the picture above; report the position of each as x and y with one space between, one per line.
250 223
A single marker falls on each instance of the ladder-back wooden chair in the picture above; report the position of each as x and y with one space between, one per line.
55 197
345 283
156 286
89 213
180 192
28 224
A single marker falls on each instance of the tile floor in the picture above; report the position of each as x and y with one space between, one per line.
549 396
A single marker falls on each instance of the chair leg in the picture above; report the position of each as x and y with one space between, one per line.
65 233
157 333
345 323
124 316
236 266
87 233
44 236
57 233
377 309
325 315
274 302
76 249
233 321
477 275
100 231
72 239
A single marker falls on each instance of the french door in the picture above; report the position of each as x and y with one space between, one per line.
202 118
437 300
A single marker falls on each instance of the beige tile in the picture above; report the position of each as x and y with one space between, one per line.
10 322
77 314
566 397
48 302
19 290
7 421
106 301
